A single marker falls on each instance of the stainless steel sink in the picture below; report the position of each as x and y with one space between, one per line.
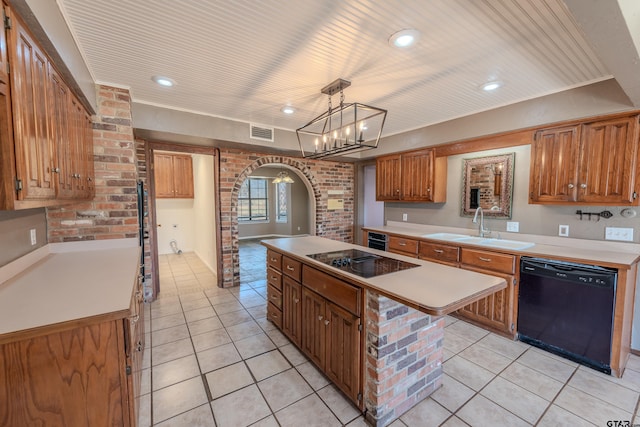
451 237
480 241
505 244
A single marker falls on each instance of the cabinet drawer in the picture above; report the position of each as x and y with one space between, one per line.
438 252
334 290
275 296
275 315
274 259
274 278
291 268
401 244
488 260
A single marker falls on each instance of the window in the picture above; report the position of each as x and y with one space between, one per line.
252 200
281 202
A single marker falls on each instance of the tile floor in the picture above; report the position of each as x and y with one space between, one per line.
213 360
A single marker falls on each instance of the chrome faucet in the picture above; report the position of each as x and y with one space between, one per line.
481 229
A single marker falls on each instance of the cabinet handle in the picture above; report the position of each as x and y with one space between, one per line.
296 300
570 185
135 319
274 297
402 244
89 179
290 268
438 251
274 277
397 191
326 322
428 190
139 348
55 170
484 259
583 185
273 259
320 317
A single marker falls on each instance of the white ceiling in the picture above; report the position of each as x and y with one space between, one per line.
246 59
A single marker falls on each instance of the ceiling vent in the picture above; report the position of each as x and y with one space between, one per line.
262 133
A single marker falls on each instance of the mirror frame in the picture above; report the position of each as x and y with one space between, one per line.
505 185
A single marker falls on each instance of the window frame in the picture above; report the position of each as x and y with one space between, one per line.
257 218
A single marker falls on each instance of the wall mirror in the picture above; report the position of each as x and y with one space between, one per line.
487 182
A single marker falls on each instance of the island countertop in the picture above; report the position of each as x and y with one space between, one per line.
431 288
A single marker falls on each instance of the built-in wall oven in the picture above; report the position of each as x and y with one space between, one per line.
377 240
567 309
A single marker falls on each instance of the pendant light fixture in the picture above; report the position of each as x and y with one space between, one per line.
284 177
346 129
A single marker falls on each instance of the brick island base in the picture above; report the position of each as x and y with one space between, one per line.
403 358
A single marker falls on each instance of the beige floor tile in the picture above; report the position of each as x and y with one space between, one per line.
267 364
360 422
204 325
278 338
265 324
591 382
175 371
486 358
448 320
481 412
454 422
178 398
168 335
312 375
228 307
146 358
191 296
532 380
244 330
630 379
270 421
254 345
467 331
453 394
311 409
240 408
145 381
558 417
258 312
426 413
144 410
506 347
634 362
199 314
210 339
228 379
589 407
467 373
446 354
235 317
196 304
519 401
218 357
257 301
293 355
455 343
166 321
223 297
171 351
339 405
283 389
547 365
158 311
200 416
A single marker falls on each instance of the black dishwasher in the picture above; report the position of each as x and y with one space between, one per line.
567 309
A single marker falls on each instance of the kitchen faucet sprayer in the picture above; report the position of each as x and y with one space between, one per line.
481 229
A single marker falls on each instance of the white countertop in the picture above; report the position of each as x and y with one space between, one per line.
606 253
431 287
69 281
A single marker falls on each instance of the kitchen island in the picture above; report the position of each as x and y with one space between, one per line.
378 338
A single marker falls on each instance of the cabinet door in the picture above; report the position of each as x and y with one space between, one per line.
608 160
342 360
60 135
182 176
163 170
292 309
78 134
313 326
29 82
554 170
88 156
417 176
388 179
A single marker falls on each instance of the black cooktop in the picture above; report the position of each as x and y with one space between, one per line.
364 264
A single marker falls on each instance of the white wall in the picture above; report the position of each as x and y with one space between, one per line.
178 212
373 210
204 209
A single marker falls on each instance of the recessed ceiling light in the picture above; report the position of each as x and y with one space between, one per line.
489 86
163 81
404 38
287 109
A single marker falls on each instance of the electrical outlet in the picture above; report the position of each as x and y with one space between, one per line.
404 216
563 230
34 238
175 225
619 233
513 226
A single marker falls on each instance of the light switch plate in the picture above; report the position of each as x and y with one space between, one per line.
619 233
563 230
513 226
33 236
404 216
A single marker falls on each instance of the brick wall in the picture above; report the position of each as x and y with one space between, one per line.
141 164
403 358
322 176
112 213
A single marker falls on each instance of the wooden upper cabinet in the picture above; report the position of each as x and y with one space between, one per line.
59 131
29 86
416 176
173 175
593 163
388 178
4 54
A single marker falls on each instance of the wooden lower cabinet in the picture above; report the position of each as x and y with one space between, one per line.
342 364
83 374
314 317
292 309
